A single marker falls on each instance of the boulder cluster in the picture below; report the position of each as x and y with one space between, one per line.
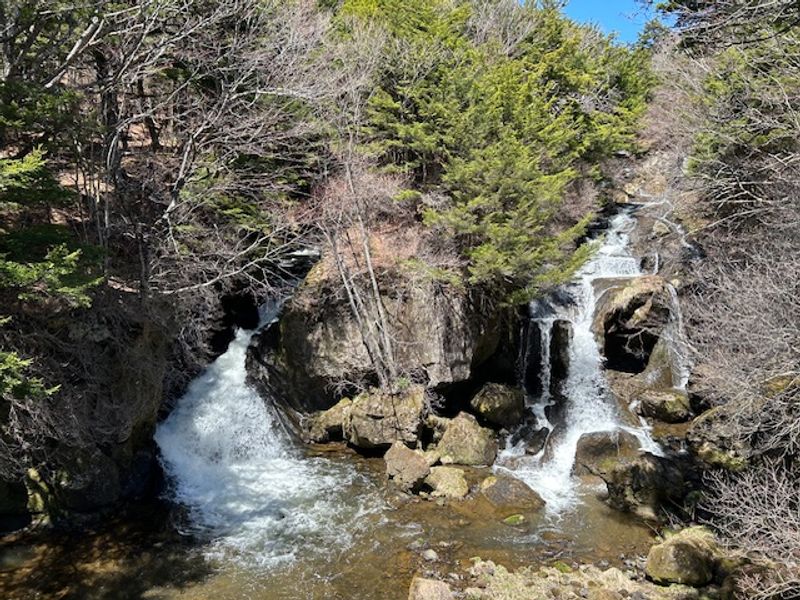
431 455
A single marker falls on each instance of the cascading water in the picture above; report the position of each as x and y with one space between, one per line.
247 489
589 403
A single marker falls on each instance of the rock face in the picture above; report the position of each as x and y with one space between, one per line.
560 343
669 406
509 495
630 321
689 557
85 479
440 335
447 482
465 442
714 438
377 420
13 498
407 468
499 404
601 451
429 589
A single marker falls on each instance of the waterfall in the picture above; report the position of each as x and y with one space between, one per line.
247 490
590 406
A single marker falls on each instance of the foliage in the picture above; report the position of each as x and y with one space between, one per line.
501 131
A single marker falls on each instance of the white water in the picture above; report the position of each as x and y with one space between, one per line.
590 406
248 491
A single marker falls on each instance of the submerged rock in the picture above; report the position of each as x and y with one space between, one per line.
509 495
447 482
689 557
600 451
377 419
407 468
429 589
465 442
499 404
669 406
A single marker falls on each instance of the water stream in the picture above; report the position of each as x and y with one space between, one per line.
589 404
245 485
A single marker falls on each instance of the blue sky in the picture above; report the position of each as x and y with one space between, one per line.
625 17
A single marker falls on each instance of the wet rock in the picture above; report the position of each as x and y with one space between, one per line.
328 425
532 358
407 468
602 450
447 482
465 442
377 419
560 344
429 589
689 557
499 404
643 485
630 321
509 495
662 370
669 406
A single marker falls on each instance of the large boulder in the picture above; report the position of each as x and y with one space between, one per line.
441 335
465 442
429 589
407 468
689 557
499 404
377 419
600 452
630 320
509 495
643 485
447 482
669 406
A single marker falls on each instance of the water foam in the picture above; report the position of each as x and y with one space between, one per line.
247 489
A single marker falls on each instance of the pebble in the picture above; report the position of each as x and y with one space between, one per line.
430 555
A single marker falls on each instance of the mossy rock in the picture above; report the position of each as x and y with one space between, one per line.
669 406
689 557
465 442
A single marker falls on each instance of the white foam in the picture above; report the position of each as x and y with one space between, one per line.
248 491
